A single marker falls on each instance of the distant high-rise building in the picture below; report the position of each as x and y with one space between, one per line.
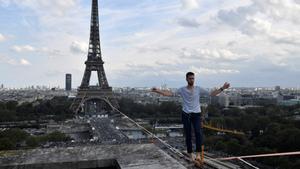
277 88
68 82
2 86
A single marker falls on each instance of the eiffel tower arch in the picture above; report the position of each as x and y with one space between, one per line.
94 99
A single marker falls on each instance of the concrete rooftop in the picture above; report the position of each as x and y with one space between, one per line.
126 156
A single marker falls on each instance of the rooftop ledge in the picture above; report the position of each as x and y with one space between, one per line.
124 156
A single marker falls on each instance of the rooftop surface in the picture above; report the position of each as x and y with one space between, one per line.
125 156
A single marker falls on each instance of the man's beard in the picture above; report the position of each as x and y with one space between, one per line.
190 83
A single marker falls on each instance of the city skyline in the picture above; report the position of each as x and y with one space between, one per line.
249 43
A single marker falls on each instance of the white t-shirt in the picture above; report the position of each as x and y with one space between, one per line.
190 99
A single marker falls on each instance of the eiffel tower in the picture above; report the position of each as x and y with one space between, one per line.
93 99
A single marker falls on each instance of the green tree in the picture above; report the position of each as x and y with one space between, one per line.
32 141
14 135
11 105
6 144
57 137
233 147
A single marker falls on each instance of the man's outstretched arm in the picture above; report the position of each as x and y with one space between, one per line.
218 91
162 92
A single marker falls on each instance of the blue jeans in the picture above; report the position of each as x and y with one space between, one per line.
189 120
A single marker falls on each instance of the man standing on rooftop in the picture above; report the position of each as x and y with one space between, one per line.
191 111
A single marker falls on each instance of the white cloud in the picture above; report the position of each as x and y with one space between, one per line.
264 18
282 36
24 62
188 22
190 4
56 15
50 53
271 27
24 48
2 38
254 26
280 9
206 71
5 59
14 62
147 70
259 27
277 10
79 47
217 55
56 7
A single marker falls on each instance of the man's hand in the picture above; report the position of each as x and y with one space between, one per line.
217 91
161 92
226 85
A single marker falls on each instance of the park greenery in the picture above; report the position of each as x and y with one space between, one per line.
16 138
32 113
268 129
55 109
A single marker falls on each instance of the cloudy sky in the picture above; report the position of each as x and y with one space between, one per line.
153 42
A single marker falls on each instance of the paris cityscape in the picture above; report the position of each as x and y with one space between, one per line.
107 84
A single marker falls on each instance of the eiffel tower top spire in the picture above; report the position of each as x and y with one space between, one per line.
94 52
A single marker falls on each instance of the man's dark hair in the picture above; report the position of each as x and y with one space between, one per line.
189 74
